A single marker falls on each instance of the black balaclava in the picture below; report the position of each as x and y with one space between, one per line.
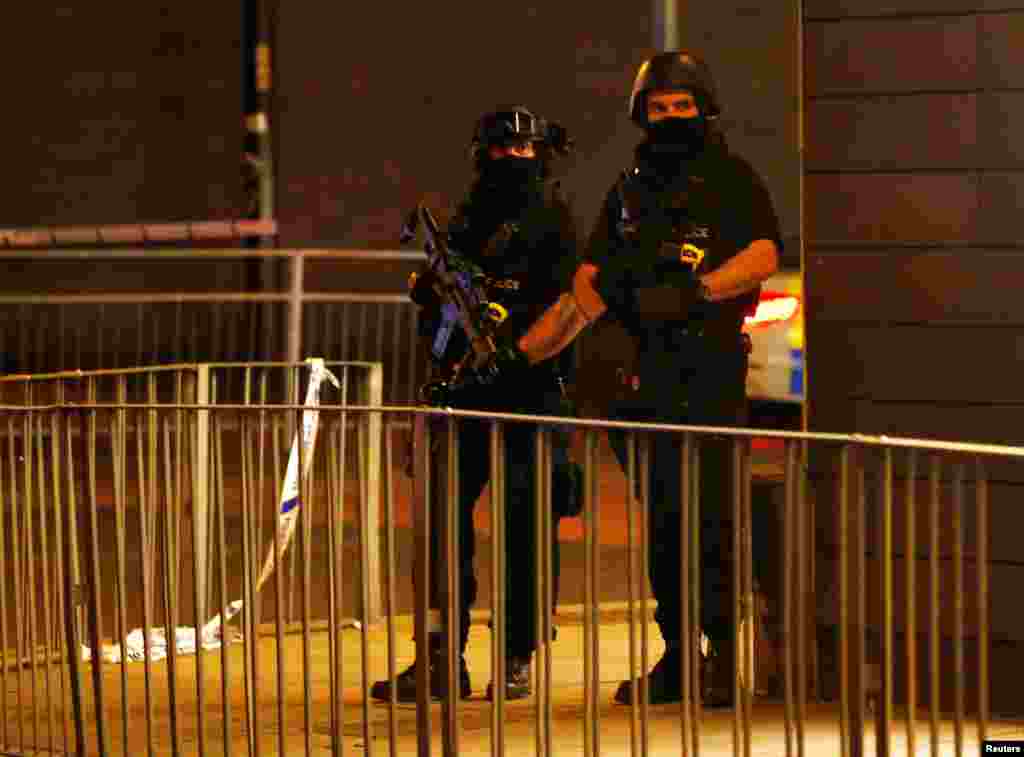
511 174
684 135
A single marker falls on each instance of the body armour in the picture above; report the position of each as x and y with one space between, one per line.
525 244
680 215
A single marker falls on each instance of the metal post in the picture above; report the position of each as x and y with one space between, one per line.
372 395
665 24
293 346
201 489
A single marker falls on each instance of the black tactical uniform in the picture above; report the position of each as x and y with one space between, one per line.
518 228
684 208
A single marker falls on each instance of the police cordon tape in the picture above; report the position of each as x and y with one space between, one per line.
211 635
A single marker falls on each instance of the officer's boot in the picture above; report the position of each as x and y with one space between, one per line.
517 678
717 675
664 681
405 682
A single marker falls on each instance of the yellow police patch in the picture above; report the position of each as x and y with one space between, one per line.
691 255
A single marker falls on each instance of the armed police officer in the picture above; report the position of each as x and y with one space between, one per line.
683 242
516 227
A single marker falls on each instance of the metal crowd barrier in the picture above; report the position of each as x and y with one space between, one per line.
62 330
83 562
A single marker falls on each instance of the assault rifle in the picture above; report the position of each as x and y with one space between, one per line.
458 286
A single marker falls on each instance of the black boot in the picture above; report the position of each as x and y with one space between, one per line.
405 682
517 679
664 682
716 676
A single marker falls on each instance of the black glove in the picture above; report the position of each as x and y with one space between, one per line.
507 362
649 286
671 299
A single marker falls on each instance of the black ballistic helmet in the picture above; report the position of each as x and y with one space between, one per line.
513 124
502 127
673 70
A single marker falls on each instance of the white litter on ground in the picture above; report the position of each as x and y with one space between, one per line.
134 648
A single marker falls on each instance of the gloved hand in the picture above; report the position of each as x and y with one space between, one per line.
507 362
671 298
649 286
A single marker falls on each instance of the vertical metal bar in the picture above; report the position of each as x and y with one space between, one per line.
390 571
93 580
644 511
421 521
689 650
222 582
665 18
498 547
844 600
369 609
334 592
46 555
632 570
883 739
540 574
62 597
548 601
28 577
589 600
372 395
250 649
982 504
342 447
71 590
296 296
958 608
170 567
279 620
737 596
151 555
804 561
306 519
413 351
292 557
450 540
396 335
146 548
857 640
4 741
695 581
19 615
378 354
362 332
750 601
343 351
595 561
118 440
910 556
258 537
787 592
933 620
200 460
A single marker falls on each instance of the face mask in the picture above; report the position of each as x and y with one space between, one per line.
689 133
511 172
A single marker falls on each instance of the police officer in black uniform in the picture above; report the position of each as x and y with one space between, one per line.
519 229
678 254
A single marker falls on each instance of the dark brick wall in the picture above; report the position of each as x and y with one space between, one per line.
912 185
121 112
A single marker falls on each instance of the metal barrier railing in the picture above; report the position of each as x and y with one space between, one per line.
60 331
81 564
266 383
